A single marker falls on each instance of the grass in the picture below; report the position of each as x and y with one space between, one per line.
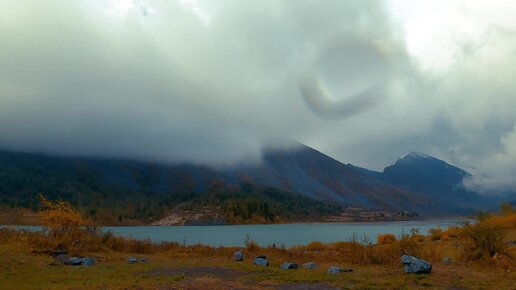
481 260
22 270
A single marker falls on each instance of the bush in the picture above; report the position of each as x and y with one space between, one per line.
435 234
452 233
315 246
250 245
484 238
60 217
385 239
506 209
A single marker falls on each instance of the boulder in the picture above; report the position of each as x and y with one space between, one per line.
334 270
415 265
88 261
261 260
133 260
238 256
310 265
288 266
74 261
62 258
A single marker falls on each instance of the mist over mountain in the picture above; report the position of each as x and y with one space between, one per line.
415 183
211 82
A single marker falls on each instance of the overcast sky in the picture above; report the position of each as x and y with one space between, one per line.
214 81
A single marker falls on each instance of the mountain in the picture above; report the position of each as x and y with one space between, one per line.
314 174
438 180
132 190
128 192
423 173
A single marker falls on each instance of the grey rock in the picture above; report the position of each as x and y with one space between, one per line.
88 261
415 265
310 265
238 256
133 260
288 266
446 261
334 270
74 261
261 261
62 258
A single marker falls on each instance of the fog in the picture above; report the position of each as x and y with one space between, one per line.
213 82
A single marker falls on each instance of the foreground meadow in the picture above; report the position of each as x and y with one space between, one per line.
473 256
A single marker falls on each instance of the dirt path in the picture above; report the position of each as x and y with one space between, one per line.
220 278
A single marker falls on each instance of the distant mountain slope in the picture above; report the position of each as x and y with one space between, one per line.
438 180
125 192
314 174
415 183
424 173
301 170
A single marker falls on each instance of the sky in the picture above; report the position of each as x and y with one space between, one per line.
214 82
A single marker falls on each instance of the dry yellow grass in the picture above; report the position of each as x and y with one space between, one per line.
25 263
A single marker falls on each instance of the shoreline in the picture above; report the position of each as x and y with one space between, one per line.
379 222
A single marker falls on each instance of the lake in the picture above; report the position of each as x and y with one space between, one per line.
278 234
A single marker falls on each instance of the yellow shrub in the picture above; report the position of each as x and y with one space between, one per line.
435 234
252 246
507 221
385 239
315 246
452 232
60 217
418 238
484 238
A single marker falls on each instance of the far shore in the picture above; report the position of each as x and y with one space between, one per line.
372 222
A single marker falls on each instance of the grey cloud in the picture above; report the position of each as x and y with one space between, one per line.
75 80
162 84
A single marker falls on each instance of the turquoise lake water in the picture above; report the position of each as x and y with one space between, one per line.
279 234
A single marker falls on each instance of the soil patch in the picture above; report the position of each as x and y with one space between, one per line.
213 271
306 286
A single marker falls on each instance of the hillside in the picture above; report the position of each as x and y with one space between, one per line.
438 180
289 184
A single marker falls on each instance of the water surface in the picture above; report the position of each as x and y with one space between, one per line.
279 234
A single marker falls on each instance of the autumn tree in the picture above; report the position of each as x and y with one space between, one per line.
60 217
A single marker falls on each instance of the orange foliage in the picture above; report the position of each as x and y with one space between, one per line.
315 246
59 216
436 234
385 239
451 233
481 239
484 239
507 221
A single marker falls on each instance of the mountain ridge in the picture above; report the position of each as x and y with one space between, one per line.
416 182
